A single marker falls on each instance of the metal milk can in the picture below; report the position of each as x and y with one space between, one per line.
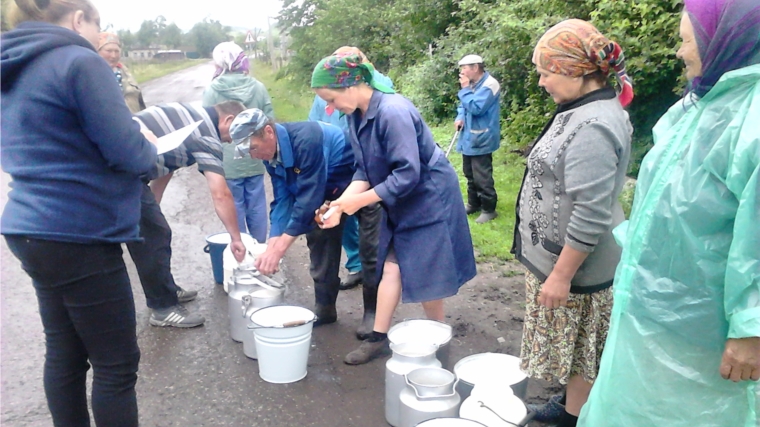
252 302
430 393
244 281
406 358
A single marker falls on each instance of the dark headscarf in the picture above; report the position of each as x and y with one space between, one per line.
728 37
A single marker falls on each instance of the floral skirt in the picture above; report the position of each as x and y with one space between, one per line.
566 341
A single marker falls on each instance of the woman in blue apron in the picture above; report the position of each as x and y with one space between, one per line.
425 246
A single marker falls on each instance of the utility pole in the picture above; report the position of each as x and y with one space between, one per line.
270 44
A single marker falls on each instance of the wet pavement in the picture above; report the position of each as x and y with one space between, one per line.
199 376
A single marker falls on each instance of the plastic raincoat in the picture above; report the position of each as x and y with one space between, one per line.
689 276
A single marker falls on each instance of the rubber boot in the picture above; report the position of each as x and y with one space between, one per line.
326 314
369 294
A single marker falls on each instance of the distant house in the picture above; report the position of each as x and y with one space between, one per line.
169 55
143 53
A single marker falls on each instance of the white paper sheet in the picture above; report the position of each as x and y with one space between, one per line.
173 140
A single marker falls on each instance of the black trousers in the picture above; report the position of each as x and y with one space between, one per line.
88 314
153 257
480 188
324 253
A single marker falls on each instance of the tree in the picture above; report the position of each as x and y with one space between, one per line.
171 36
128 41
206 35
146 35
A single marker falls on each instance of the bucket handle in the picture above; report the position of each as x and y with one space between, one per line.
207 248
522 422
452 394
291 324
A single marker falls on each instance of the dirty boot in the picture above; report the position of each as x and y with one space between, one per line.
550 411
364 330
486 216
471 209
326 314
368 350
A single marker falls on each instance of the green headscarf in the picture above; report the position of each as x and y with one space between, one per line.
341 71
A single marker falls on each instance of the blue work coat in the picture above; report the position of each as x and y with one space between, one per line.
426 222
479 109
315 164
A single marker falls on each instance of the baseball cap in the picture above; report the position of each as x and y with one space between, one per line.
471 59
245 125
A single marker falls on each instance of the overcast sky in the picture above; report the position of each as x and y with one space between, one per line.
130 14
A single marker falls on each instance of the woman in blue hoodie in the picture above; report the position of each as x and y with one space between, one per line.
75 157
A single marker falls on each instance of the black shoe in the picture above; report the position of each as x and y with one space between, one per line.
326 314
352 280
470 209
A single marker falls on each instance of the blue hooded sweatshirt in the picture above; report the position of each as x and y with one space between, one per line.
68 141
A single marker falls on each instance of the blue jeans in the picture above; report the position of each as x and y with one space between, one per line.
351 244
251 205
88 314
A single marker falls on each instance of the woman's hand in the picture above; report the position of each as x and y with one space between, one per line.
741 359
349 204
554 292
335 212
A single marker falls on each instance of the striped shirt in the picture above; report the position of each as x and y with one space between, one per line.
203 146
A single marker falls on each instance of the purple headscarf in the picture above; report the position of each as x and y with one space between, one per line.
728 37
229 58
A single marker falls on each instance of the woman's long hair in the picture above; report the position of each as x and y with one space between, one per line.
51 11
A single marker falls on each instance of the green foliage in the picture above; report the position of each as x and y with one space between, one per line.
206 35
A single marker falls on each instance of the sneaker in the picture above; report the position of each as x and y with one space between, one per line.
470 209
186 296
352 280
176 316
550 411
367 351
486 216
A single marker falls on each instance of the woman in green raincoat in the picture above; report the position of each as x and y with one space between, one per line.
683 348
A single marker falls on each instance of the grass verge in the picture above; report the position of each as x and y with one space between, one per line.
144 71
291 101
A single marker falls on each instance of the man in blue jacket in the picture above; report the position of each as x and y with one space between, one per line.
480 134
309 163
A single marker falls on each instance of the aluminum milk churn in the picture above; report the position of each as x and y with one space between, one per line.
406 358
252 302
430 393
242 284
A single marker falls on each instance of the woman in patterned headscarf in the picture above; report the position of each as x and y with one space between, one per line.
567 208
425 251
684 340
109 48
